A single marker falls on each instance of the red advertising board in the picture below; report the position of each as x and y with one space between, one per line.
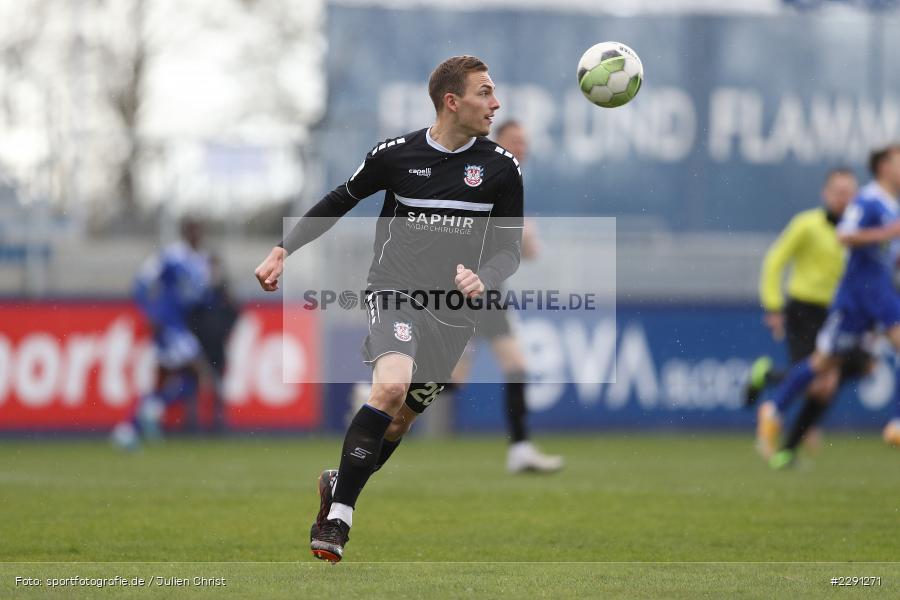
82 366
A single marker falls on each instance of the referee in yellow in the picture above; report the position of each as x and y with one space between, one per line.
809 245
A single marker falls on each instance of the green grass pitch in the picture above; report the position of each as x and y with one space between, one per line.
643 516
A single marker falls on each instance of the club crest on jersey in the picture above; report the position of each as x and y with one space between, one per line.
474 175
402 331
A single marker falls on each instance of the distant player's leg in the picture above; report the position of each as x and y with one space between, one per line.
177 384
811 413
178 377
891 432
145 416
759 379
769 415
145 422
803 321
523 455
361 450
763 374
854 365
821 391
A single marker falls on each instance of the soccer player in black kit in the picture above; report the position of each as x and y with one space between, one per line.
449 231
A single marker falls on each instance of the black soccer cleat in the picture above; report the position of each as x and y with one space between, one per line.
328 540
326 489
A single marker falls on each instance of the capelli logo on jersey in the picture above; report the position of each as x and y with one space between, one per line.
421 172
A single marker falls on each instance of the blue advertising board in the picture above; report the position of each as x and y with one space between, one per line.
737 120
666 367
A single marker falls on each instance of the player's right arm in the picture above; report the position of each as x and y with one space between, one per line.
860 225
368 179
780 253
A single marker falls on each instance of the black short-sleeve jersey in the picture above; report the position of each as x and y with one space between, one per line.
441 209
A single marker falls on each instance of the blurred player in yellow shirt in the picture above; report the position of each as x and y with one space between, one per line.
809 245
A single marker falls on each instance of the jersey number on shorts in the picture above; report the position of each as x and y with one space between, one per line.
426 395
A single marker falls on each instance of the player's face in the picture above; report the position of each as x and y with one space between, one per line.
192 232
893 169
515 140
476 107
839 191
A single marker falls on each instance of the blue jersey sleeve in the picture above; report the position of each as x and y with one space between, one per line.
146 289
864 214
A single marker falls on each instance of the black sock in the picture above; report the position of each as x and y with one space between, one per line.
362 447
774 376
810 414
387 448
515 407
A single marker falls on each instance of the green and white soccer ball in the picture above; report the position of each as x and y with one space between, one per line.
610 74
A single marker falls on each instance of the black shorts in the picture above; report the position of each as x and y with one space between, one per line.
802 322
434 345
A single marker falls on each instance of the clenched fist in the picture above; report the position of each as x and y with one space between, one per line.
468 282
268 272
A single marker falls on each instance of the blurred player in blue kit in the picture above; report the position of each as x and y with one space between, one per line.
865 301
168 288
810 246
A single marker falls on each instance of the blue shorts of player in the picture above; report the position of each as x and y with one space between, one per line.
859 306
176 347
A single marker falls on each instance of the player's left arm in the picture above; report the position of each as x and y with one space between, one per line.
507 222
